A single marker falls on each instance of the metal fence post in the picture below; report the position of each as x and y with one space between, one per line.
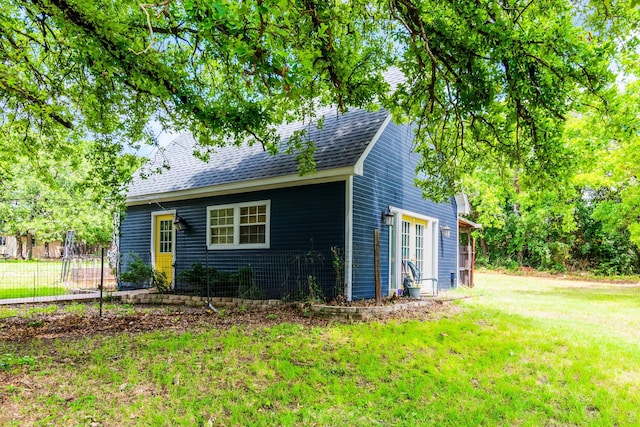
101 277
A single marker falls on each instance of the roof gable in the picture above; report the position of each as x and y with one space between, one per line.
340 143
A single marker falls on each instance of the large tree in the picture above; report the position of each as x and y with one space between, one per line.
589 219
485 80
47 192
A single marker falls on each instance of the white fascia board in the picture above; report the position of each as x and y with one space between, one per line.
462 204
359 168
329 175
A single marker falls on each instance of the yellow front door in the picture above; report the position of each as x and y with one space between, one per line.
163 245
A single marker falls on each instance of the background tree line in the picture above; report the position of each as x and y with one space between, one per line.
45 193
588 220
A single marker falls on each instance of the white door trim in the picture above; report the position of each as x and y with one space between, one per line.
432 223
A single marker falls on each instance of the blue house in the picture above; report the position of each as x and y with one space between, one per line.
248 211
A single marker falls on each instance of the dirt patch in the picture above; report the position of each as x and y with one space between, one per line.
142 318
341 301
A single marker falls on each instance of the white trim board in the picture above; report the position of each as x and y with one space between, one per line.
321 177
359 167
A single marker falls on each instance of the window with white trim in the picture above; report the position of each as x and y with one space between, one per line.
239 225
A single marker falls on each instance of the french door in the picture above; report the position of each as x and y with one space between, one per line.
413 237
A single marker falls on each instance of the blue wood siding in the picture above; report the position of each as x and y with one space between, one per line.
302 218
135 233
388 179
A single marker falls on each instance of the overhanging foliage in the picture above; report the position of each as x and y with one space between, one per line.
485 80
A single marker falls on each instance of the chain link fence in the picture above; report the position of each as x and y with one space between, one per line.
56 279
286 275
316 275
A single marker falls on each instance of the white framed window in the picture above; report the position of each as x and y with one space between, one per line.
239 225
3 240
406 239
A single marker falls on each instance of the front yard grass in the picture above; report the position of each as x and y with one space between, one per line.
35 278
21 279
521 351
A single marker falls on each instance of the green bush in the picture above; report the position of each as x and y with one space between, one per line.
138 272
161 282
247 287
240 284
196 276
143 275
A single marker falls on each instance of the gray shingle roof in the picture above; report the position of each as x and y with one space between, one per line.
340 143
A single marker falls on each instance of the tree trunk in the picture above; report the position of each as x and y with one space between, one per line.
516 187
472 255
483 247
29 245
19 254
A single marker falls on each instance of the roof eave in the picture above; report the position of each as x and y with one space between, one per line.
468 223
294 180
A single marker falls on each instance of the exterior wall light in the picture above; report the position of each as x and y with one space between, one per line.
446 231
179 223
388 217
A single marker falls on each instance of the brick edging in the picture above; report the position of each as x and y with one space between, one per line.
196 301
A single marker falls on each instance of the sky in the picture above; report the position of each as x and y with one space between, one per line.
163 137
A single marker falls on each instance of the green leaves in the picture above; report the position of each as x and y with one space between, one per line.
588 219
485 81
76 186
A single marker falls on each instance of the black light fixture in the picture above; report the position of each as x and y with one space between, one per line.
388 217
179 223
446 231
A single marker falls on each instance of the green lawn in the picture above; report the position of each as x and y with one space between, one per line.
29 292
20 279
520 351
